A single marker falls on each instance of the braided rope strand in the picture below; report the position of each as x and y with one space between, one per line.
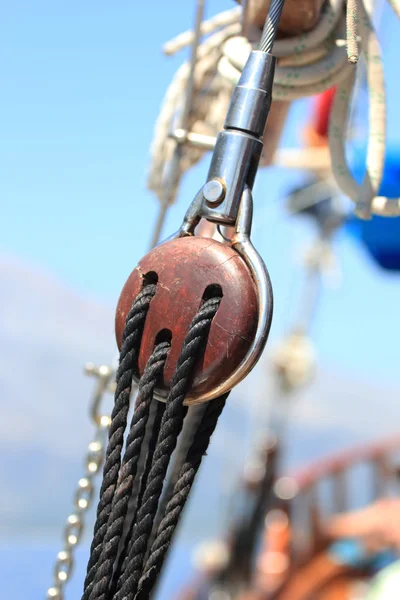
123 558
119 508
192 423
179 497
128 364
352 31
170 428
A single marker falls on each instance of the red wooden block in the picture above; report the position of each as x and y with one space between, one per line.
298 16
185 268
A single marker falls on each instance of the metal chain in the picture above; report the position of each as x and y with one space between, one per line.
73 529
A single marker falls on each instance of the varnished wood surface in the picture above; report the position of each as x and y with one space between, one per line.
185 267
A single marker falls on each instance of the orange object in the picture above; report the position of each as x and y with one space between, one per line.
323 106
277 532
316 133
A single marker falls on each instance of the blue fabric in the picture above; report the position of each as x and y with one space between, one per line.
351 553
380 236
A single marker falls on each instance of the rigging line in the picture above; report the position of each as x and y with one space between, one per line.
180 495
271 25
159 409
119 508
173 171
192 422
310 296
171 426
245 5
128 365
352 31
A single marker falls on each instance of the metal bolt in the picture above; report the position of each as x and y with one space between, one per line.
214 192
179 135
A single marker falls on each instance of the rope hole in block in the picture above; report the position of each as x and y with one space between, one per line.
150 278
214 290
164 335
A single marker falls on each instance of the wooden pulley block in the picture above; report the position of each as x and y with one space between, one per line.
298 16
187 271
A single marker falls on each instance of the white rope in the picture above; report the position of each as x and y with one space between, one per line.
210 103
352 30
326 65
365 196
228 17
307 64
395 4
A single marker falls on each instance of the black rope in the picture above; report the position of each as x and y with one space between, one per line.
170 428
151 376
131 339
160 410
179 497
122 559
191 424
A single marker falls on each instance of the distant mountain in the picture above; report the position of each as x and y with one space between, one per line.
47 333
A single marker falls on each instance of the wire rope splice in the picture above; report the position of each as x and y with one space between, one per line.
190 264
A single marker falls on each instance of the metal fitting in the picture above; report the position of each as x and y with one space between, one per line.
239 146
251 98
214 192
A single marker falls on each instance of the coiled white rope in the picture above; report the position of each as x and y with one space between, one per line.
307 64
228 17
210 101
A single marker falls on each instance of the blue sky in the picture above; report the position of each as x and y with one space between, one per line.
82 83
